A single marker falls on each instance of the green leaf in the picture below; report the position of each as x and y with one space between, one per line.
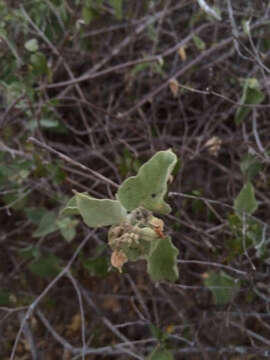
200 44
71 207
31 45
235 223
45 266
128 163
47 123
160 353
4 298
246 26
47 224
30 252
56 173
67 227
149 187
97 212
252 95
87 14
222 286
197 205
161 263
158 333
97 266
246 201
39 62
250 166
15 200
35 214
139 68
117 6
17 172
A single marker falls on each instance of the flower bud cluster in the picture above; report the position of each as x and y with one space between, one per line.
132 239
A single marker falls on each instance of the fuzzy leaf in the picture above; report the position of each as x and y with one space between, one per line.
161 263
222 286
67 227
100 212
246 201
71 207
149 187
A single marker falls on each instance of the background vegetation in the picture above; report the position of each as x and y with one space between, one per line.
91 89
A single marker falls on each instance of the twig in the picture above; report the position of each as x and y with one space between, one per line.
73 162
208 263
182 70
106 322
29 337
256 135
209 10
74 283
34 304
89 75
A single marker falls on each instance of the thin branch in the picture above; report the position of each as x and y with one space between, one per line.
73 162
208 263
34 304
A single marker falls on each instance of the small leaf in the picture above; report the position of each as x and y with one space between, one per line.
252 95
246 201
250 166
222 286
96 212
97 266
200 44
47 123
139 68
35 214
47 224
149 187
161 263
67 227
158 333
45 266
246 26
30 252
117 6
4 298
87 14
160 353
16 200
235 223
71 207
39 62
31 45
